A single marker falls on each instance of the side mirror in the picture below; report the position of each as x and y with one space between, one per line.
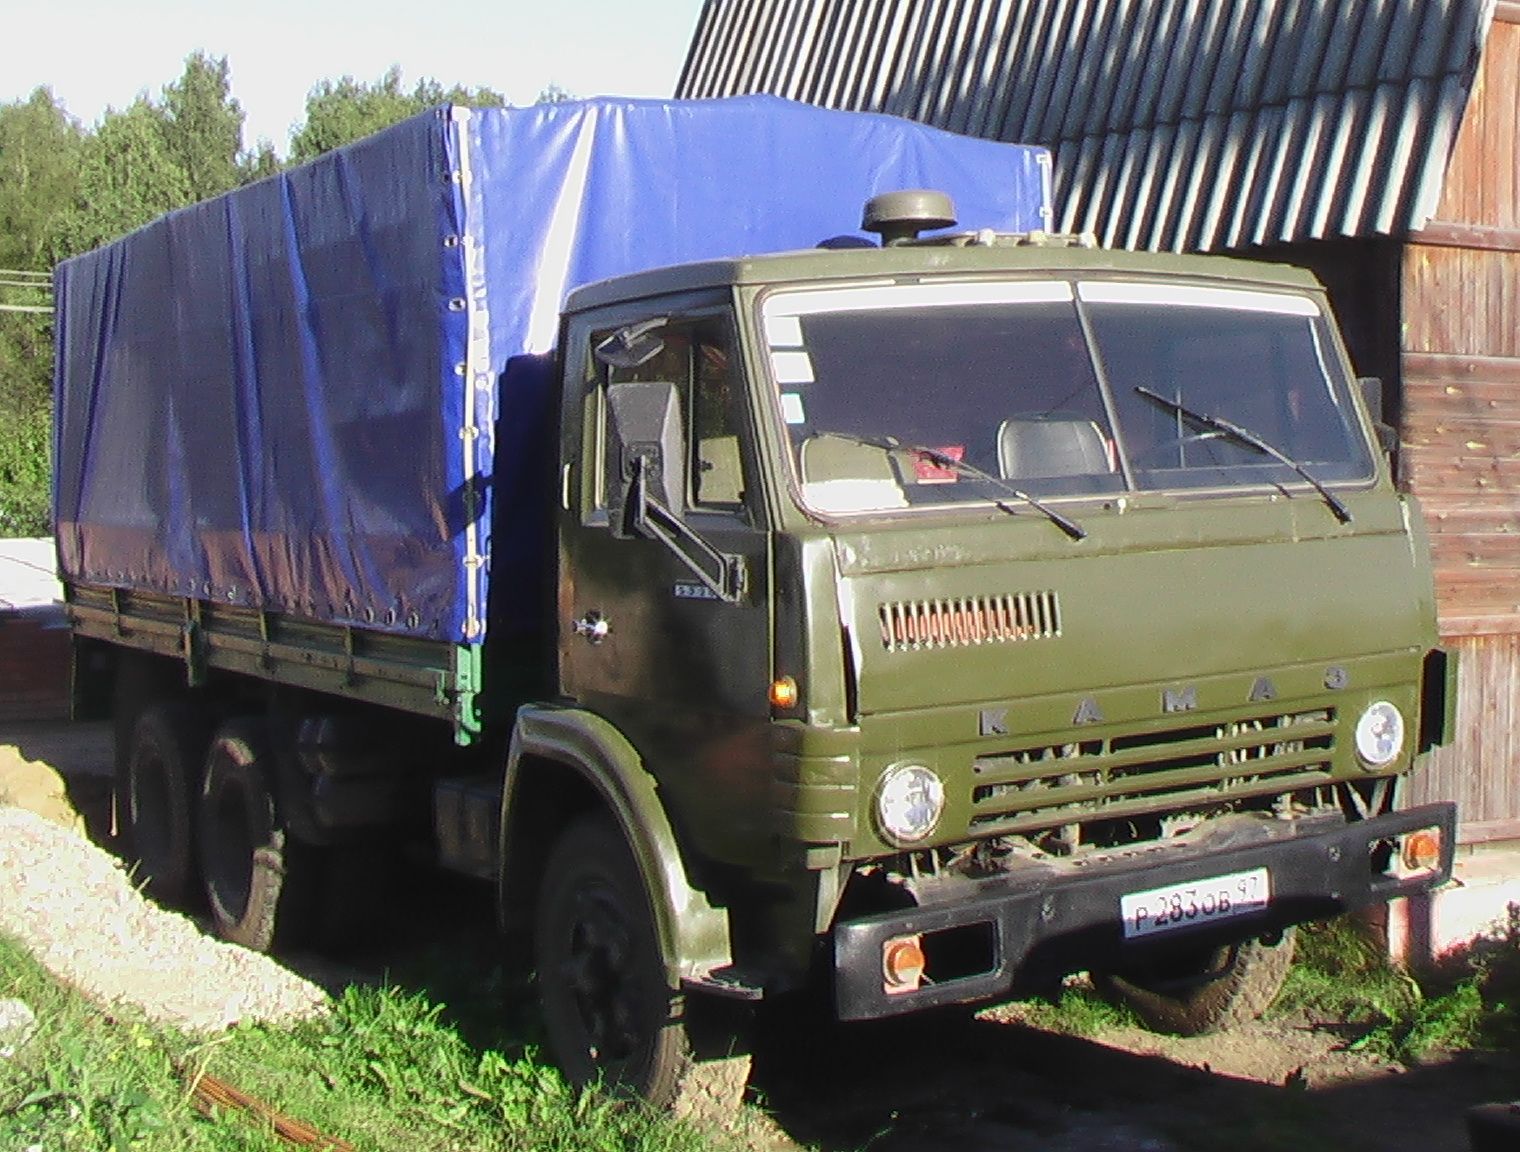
1371 388
646 423
651 471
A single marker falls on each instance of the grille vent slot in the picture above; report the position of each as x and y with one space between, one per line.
909 625
1134 773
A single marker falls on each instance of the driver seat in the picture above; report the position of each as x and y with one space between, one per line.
1031 446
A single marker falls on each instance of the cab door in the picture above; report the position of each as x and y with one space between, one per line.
652 636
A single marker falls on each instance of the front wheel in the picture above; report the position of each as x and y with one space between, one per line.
610 1013
1214 991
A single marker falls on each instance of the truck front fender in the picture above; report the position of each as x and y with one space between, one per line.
694 935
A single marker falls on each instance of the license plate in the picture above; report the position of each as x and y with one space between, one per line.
1197 902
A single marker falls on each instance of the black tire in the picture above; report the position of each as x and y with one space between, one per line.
159 782
140 682
258 881
1225 988
610 1015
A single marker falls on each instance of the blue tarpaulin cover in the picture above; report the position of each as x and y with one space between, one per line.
301 396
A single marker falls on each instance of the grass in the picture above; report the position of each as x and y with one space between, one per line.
1470 1001
1078 1011
386 1070
396 1069
1343 979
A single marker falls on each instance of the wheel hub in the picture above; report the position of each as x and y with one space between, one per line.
596 972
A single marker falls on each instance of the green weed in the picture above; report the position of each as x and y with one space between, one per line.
1080 1011
85 1080
25 474
1343 977
1445 1022
1496 959
385 1071
1341 974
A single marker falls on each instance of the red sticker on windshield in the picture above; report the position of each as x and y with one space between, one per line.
927 471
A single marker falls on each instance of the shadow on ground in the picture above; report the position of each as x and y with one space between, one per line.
980 1086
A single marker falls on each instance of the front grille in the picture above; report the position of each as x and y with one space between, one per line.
1133 774
907 625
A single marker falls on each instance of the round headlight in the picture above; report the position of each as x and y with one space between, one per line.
1379 734
909 802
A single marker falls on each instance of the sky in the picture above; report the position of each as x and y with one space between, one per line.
96 54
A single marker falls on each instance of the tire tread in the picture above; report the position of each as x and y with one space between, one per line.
706 1090
1255 974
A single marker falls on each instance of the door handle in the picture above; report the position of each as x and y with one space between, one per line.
593 626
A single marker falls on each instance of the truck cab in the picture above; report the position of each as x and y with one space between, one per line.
989 608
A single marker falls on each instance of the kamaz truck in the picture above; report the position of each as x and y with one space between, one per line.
577 499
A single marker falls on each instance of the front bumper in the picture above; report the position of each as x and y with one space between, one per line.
1051 921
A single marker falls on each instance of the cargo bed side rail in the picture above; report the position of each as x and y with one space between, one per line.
433 678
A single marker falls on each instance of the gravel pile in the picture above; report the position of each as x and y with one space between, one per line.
73 907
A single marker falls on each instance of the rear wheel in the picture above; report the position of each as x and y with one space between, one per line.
1214 991
609 1011
161 771
258 880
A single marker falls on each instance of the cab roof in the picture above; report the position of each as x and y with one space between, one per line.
932 259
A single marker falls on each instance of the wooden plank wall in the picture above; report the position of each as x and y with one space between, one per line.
1482 186
1478 769
1460 454
1460 434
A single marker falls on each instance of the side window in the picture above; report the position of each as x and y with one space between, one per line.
695 354
717 422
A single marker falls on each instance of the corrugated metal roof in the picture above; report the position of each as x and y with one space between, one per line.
1176 124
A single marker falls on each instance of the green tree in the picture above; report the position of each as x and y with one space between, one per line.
25 471
429 94
202 126
40 146
127 177
259 163
40 149
554 94
340 112
26 405
26 359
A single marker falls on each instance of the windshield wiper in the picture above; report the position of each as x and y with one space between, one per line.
960 467
1251 440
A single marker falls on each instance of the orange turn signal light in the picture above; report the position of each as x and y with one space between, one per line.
1422 850
902 964
784 693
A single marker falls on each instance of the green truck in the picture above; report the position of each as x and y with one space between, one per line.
923 620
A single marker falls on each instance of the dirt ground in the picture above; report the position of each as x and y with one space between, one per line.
34 758
991 1083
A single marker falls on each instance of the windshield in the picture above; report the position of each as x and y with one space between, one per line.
1053 387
